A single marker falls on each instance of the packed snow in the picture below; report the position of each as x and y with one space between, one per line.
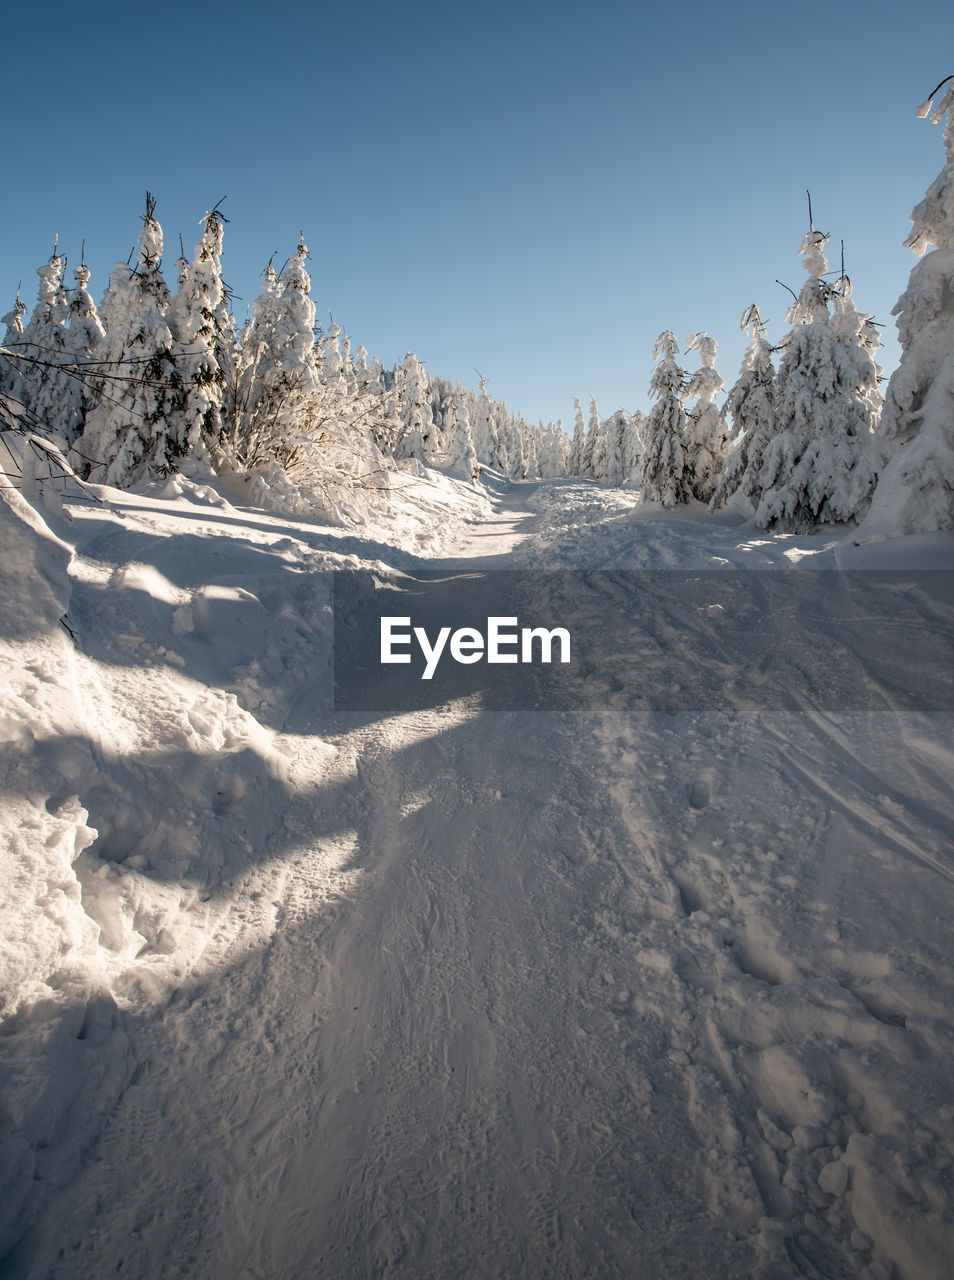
292 992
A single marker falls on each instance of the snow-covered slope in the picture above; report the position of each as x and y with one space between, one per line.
294 993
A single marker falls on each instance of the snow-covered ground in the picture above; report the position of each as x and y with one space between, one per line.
295 993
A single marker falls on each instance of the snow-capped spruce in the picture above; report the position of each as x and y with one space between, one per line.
579 440
85 337
750 405
412 406
47 390
816 468
914 446
590 456
631 448
613 435
706 432
200 321
136 429
459 443
664 477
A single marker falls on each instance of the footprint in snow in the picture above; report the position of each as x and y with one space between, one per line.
700 793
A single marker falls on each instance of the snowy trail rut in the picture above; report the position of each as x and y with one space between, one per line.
519 994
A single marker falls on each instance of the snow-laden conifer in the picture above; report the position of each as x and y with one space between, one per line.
46 385
816 468
914 449
663 477
631 448
9 363
502 452
330 362
590 457
200 321
459 442
411 387
86 337
272 411
706 432
366 377
750 405
579 440
137 429
484 423
612 437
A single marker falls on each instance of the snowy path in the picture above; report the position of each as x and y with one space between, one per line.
495 994
494 539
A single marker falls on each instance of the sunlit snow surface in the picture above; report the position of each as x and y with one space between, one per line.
295 993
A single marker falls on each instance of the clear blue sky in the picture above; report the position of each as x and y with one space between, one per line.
531 189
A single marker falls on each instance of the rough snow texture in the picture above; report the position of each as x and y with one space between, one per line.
287 993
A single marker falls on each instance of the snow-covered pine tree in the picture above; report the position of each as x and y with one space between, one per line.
240 424
502 449
459 443
275 406
750 405
330 364
706 432
484 424
201 323
521 453
663 477
816 468
9 364
411 387
85 339
363 376
613 435
914 448
48 391
575 465
553 451
137 429
559 450
591 459
631 448
348 380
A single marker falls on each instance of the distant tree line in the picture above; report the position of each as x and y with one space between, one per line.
156 381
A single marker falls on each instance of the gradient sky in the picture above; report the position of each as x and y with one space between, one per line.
533 190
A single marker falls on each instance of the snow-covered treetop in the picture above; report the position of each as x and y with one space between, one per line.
812 302
812 252
182 267
150 238
933 218
707 347
294 276
943 107
751 322
14 319
667 378
705 382
49 307
86 328
666 345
